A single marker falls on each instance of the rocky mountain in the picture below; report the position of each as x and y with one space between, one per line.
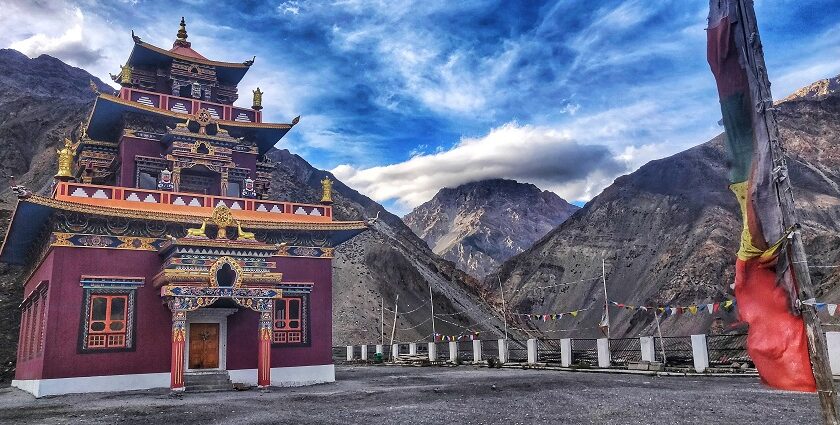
43 99
479 225
668 233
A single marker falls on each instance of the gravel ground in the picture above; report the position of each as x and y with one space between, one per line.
462 395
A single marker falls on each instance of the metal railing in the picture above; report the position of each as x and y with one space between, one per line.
677 349
727 349
585 350
517 351
465 351
625 350
489 348
548 350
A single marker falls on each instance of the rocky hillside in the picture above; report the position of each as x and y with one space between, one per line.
43 99
384 263
480 225
668 232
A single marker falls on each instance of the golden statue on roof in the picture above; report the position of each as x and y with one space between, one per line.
65 160
257 99
326 186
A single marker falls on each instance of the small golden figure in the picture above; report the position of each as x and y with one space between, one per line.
243 235
326 185
65 160
199 232
125 75
257 99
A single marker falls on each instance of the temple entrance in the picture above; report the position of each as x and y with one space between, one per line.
204 346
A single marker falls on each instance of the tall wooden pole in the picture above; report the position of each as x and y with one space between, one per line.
504 308
382 321
661 342
432 303
394 329
799 263
606 297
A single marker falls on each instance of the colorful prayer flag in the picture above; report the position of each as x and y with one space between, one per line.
777 343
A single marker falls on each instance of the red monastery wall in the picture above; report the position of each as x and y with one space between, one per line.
153 320
242 334
31 368
129 147
62 357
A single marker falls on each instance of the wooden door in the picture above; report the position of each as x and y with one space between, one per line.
204 346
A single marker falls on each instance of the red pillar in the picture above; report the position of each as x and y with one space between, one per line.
264 351
179 326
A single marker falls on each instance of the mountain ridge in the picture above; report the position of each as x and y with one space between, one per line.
669 231
480 224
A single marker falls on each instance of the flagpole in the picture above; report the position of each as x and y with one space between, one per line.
432 303
661 342
504 308
817 350
382 321
394 329
606 297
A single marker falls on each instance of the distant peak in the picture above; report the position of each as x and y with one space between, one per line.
817 90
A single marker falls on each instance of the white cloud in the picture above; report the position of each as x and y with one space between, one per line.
289 7
63 30
548 157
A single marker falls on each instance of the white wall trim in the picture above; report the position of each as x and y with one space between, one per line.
292 376
209 315
92 384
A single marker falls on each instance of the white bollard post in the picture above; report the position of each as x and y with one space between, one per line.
432 352
503 351
833 341
476 350
453 351
349 353
700 352
412 349
648 349
604 359
380 349
566 352
532 351
395 351
364 352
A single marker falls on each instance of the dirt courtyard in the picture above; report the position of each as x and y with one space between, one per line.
432 395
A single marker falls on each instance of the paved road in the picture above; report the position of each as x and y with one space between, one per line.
434 396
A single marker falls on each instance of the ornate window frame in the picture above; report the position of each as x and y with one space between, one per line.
110 288
300 336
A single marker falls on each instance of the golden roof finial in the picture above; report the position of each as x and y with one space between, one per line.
182 32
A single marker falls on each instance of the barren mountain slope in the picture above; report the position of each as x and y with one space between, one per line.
668 232
481 224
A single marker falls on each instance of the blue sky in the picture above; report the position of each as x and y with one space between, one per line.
399 98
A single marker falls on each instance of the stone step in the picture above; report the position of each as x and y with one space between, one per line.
207 381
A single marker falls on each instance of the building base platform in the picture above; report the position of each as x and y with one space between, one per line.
280 377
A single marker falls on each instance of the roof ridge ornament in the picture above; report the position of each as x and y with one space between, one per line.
181 39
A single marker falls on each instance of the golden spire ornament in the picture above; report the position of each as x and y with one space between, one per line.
326 186
182 31
257 99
